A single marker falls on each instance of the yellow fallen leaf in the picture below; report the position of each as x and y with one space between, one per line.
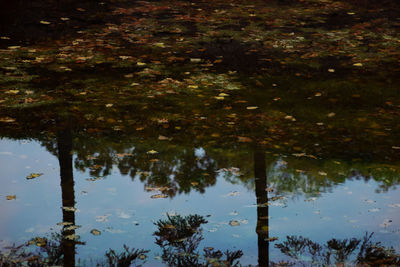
152 152
73 209
33 175
358 64
289 117
159 45
331 70
140 63
64 19
11 197
95 232
13 92
109 105
162 138
234 223
244 139
332 114
223 94
7 119
193 86
44 22
14 47
159 196
252 107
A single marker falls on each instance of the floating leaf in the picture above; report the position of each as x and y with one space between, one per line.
159 196
11 197
244 139
332 114
234 223
195 60
162 138
64 223
71 227
73 209
7 119
13 92
252 107
95 232
44 22
34 175
159 45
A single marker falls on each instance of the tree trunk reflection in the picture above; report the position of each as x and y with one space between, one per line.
260 174
64 143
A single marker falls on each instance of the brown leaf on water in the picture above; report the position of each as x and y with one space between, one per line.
234 223
7 120
159 196
244 139
11 197
162 137
34 175
121 155
95 232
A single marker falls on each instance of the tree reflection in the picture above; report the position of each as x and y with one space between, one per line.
262 229
179 237
64 144
362 252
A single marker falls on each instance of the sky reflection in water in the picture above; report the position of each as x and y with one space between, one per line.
124 212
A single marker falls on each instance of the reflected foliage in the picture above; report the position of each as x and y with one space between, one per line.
179 237
338 252
126 258
37 252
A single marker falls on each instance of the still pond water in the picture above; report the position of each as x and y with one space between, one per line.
123 208
202 133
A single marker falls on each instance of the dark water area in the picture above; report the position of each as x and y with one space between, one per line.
204 133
